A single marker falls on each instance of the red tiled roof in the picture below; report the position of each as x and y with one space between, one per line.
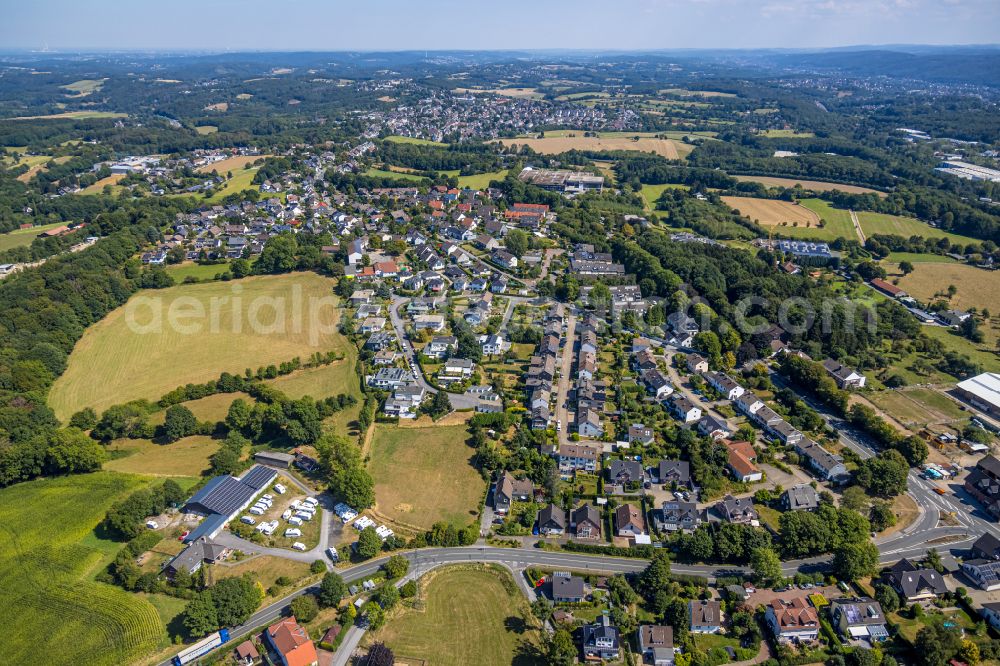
293 642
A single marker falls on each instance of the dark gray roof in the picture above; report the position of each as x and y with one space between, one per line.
567 587
225 494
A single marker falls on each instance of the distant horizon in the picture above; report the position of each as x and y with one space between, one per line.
238 26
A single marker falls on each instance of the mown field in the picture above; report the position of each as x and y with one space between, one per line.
84 87
128 356
23 237
185 457
234 164
880 223
98 187
774 213
206 129
187 269
458 604
425 475
837 222
74 115
481 181
815 185
395 138
554 145
55 613
652 193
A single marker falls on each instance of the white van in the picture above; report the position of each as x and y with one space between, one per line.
249 520
298 545
257 511
293 532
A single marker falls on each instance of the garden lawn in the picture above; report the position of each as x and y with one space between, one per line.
49 556
469 616
425 475
113 363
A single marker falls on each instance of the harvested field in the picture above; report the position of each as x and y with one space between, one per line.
976 288
74 115
520 93
682 92
555 145
230 164
774 213
84 87
206 129
221 106
815 185
98 187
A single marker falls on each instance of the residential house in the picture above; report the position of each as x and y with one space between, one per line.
191 559
674 472
859 619
737 510
983 483
577 457
640 434
658 384
629 521
821 462
390 378
458 368
588 423
246 654
684 409
656 644
504 258
677 515
510 489
405 401
915 583
713 427
372 325
551 521
800 498
741 462
697 363
991 613
440 346
622 472
705 616
567 589
494 345
984 573
844 376
430 322
291 643
725 385
987 547
585 521
748 403
792 620
600 640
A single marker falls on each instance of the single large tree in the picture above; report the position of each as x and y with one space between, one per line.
179 422
331 590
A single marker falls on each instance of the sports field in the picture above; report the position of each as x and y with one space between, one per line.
554 145
879 223
243 323
55 613
466 616
814 185
774 213
23 237
185 457
425 475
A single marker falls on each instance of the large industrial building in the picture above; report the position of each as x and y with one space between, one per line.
225 496
562 181
982 392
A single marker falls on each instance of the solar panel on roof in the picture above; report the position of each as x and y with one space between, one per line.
258 477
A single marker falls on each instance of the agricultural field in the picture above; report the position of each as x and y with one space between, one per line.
976 288
184 270
518 93
74 115
395 138
916 258
880 223
46 570
185 457
652 193
784 133
23 237
554 145
84 87
774 213
917 407
113 363
98 187
382 173
682 92
424 475
241 180
206 129
323 381
458 603
815 185
837 221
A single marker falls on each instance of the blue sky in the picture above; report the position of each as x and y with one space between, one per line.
219 25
